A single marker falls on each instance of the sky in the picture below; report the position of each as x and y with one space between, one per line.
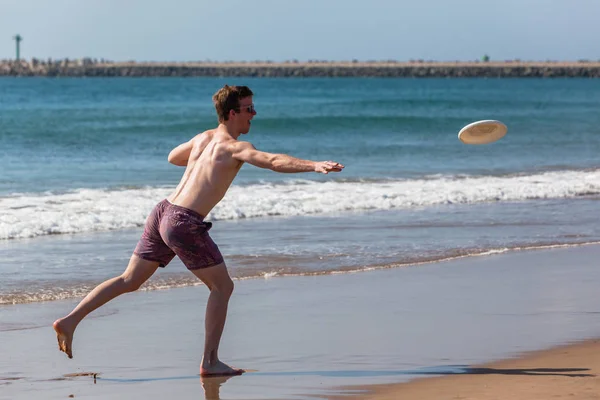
280 30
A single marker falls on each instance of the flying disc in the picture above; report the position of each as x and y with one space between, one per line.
482 132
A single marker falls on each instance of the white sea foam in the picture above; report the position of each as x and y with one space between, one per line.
268 275
87 210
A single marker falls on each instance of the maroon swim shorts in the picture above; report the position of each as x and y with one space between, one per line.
173 230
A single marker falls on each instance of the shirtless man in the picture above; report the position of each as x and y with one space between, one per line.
176 225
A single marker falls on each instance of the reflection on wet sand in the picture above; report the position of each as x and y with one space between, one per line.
212 386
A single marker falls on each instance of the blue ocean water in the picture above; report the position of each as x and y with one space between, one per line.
83 161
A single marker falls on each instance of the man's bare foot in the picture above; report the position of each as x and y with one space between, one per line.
219 369
64 334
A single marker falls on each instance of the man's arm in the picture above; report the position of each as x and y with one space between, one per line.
180 154
246 152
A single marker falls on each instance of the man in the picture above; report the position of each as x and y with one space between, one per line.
176 225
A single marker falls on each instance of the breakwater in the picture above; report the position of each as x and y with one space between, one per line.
508 69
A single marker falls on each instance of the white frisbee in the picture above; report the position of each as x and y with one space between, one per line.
482 132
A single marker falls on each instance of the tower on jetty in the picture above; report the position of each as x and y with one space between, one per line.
18 39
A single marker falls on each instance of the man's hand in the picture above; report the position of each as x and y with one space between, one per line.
326 167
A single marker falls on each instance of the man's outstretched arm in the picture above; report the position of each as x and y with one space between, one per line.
246 152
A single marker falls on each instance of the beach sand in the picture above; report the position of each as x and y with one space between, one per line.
322 336
565 372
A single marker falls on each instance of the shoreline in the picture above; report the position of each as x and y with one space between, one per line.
571 370
174 283
384 69
311 337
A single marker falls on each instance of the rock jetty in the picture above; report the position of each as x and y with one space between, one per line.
413 69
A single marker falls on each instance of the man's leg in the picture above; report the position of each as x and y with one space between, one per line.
221 286
138 271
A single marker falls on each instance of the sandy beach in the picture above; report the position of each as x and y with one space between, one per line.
565 372
324 336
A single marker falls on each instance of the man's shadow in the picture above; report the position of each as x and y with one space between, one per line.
568 372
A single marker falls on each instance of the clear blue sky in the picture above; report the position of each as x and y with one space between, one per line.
278 30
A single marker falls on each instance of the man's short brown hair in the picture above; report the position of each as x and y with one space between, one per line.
228 98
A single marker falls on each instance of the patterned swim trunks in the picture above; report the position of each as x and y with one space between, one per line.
173 230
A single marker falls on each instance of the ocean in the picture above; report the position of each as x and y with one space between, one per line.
83 161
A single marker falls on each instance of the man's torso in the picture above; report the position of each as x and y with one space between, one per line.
210 171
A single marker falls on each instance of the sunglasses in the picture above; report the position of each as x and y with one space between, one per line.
249 108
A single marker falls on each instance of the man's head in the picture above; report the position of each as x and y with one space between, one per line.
234 107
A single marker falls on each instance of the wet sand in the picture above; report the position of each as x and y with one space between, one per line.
565 372
319 336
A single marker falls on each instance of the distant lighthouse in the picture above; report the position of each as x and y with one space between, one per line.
18 39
